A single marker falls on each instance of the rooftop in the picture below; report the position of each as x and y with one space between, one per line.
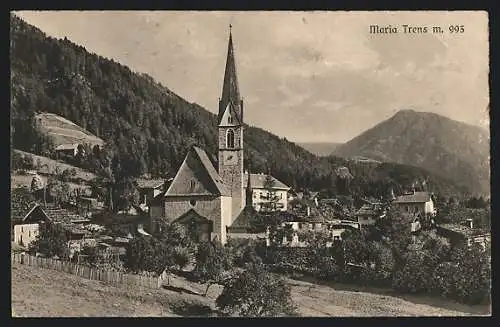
464 230
414 197
149 183
258 181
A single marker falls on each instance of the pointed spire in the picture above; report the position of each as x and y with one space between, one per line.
230 88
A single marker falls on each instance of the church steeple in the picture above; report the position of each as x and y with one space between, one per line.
230 128
230 89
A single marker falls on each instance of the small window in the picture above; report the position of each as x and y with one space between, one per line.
192 184
230 139
230 119
192 203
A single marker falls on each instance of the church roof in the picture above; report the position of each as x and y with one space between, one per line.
197 176
258 181
244 218
230 89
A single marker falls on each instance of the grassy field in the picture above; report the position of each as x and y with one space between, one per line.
17 180
49 166
44 293
63 131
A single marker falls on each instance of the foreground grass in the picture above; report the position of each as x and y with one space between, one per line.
348 301
45 293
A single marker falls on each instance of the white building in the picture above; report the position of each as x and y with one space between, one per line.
260 191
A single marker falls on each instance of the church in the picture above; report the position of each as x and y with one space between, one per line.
205 197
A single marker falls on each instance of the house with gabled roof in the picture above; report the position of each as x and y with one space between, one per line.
201 194
260 191
417 203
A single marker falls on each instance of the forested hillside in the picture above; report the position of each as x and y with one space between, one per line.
150 128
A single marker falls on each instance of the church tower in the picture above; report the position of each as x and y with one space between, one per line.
230 125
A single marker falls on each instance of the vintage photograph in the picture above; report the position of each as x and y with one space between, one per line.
250 164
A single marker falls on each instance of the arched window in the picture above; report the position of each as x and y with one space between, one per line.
230 139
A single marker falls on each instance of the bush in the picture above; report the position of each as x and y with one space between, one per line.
467 278
256 293
213 262
51 241
181 257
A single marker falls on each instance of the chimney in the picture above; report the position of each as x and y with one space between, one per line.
471 223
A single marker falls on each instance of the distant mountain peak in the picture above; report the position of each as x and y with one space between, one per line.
450 148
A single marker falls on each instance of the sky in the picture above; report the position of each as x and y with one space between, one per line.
308 76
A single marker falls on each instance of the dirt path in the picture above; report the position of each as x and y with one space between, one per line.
321 300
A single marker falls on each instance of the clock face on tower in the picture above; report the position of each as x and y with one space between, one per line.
230 159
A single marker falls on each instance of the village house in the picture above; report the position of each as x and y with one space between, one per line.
29 228
201 195
369 213
261 192
419 204
148 190
334 228
464 234
66 150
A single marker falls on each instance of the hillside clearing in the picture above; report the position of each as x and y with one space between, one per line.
17 180
44 293
64 131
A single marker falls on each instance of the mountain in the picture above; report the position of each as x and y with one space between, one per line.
320 149
149 128
452 149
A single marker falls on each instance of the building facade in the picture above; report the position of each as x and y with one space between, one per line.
261 192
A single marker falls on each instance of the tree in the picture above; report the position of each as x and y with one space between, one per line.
175 235
270 203
181 256
21 201
105 175
256 293
356 248
58 190
126 194
395 230
52 240
213 262
145 253
467 277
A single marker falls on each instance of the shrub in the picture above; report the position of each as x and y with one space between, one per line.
51 241
415 275
256 293
467 278
181 257
213 262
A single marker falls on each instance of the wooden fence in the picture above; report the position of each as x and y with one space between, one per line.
107 276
